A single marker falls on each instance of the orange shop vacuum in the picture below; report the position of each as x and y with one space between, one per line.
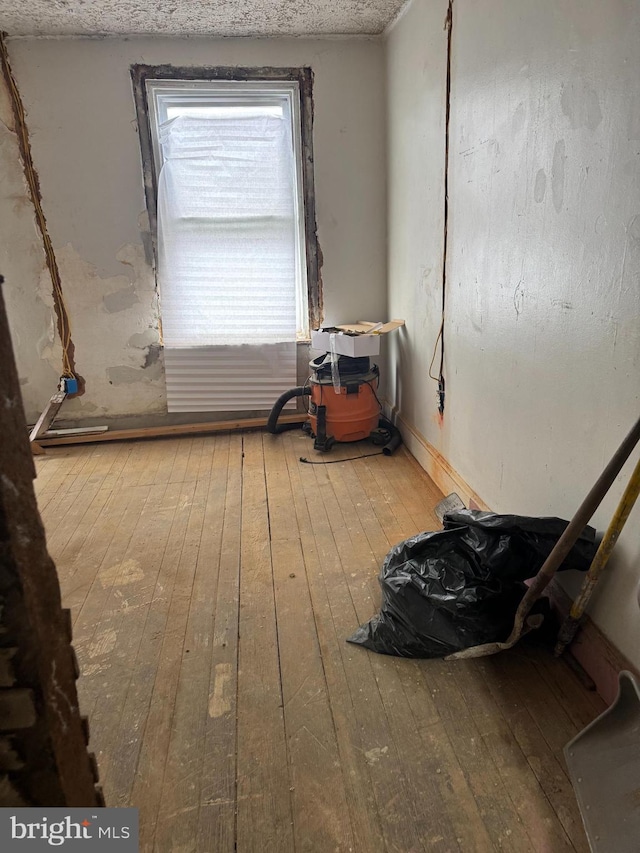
343 404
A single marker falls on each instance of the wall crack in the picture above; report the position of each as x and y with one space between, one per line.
33 182
448 26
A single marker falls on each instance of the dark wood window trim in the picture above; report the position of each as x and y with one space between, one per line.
304 76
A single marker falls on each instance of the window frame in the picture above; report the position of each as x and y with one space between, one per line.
298 82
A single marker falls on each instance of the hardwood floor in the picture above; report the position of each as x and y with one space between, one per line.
213 582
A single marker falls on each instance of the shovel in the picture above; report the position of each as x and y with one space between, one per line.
604 766
523 622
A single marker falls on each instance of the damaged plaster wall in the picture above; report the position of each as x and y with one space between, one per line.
101 330
543 280
81 117
22 261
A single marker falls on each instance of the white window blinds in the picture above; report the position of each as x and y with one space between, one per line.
231 267
227 230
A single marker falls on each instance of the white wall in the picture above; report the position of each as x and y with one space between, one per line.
416 78
81 117
543 279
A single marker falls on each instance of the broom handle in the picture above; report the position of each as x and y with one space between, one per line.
573 530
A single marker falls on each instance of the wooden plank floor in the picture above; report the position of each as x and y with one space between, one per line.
213 582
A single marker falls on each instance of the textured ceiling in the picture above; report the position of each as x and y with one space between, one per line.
197 17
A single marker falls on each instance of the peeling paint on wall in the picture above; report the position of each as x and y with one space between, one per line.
124 375
152 356
107 313
142 340
114 317
128 332
22 262
121 300
32 180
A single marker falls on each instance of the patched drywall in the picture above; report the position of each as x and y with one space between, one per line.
114 321
81 118
543 279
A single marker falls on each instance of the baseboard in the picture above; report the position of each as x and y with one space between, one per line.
169 431
595 653
443 475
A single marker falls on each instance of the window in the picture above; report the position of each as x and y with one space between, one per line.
229 191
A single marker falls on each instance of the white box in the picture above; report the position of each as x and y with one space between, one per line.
359 342
351 345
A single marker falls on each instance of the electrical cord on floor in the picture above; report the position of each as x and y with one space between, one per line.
333 461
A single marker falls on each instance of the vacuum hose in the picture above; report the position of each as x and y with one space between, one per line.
394 442
272 424
395 439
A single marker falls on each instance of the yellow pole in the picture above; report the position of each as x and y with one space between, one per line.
572 622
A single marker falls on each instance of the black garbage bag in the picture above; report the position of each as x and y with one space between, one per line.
461 586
